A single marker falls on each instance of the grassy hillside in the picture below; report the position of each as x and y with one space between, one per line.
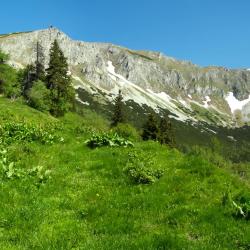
235 141
56 193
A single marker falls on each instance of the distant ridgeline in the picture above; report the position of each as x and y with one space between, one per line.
201 103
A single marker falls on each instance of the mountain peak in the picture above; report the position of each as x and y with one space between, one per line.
147 78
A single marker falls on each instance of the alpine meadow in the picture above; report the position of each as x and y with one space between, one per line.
105 147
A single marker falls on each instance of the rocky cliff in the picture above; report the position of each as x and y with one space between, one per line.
212 94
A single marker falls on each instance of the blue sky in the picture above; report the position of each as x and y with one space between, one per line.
206 32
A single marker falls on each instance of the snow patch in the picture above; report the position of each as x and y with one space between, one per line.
231 138
155 100
206 105
234 103
82 102
214 132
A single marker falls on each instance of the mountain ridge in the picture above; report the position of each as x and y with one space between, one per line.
188 91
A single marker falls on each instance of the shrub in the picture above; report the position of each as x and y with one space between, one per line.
241 204
10 171
11 132
105 139
7 168
140 174
238 206
139 170
39 96
9 84
126 131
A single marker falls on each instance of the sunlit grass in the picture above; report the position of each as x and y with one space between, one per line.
90 203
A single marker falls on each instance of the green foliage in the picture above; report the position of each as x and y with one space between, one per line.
13 132
166 133
39 96
139 168
105 139
3 57
39 63
10 171
26 78
182 210
126 131
150 129
209 155
7 168
197 165
32 73
118 115
239 205
40 174
59 82
216 145
9 85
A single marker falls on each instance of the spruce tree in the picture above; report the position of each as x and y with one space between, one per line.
166 133
150 129
118 115
59 82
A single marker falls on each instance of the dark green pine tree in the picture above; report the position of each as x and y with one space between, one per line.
118 115
166 132
59 82
150 129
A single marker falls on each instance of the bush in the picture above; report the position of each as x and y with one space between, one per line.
242 206
9 84
139 170
140 174
9 170
238 206
111 140
126 131
39 96
12 132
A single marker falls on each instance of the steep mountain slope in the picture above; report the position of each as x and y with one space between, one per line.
188 92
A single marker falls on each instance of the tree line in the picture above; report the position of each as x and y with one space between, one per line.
51 90
47 89
161 131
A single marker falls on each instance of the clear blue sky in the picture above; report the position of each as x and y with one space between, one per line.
206 32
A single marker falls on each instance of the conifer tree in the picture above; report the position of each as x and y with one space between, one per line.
59 82
118 115
150 129
166 133
26 78
39 63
